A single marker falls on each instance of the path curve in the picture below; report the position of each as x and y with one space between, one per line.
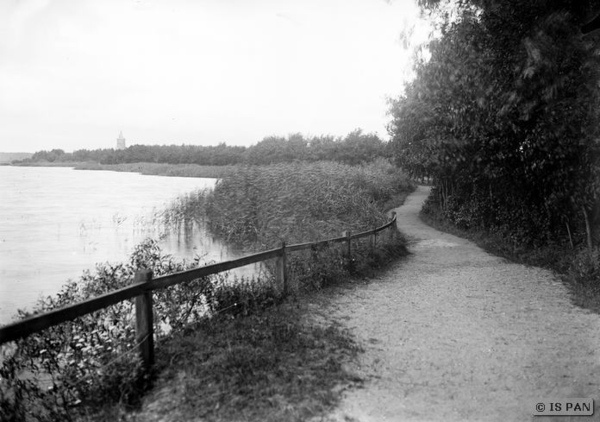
453 333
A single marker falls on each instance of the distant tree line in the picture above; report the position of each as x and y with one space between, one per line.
355 148
7 157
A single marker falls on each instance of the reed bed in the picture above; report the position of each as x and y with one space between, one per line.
301 202
258 207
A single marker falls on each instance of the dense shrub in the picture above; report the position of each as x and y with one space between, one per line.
92 361
586 268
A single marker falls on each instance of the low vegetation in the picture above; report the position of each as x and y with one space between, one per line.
272 365
43 163
156 169
233 348
7 157
161 169
48 375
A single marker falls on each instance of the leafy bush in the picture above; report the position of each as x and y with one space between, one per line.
586 267
92 360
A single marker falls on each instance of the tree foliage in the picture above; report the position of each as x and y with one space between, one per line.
503 116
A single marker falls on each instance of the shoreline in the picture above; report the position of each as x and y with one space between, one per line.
50 214
144 168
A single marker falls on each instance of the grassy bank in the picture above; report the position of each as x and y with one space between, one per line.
155 169
226 349
577 267
272 365
47 164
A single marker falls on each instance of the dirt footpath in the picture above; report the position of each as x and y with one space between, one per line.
455 334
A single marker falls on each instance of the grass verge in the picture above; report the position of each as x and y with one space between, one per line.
269 366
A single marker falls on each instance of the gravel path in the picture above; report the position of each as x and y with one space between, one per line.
453 333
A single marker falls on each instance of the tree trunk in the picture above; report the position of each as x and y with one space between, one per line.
588 228
569 232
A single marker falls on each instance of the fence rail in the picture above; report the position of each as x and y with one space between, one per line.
144 284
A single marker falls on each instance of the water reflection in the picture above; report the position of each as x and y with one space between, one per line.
193 239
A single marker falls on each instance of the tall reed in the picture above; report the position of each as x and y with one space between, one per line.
301 202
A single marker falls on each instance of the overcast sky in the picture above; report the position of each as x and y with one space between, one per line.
73 73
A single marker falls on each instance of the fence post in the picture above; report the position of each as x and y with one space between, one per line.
282 270
393 228
373 242
347 235
144 328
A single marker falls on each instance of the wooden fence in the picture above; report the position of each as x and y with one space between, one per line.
144 284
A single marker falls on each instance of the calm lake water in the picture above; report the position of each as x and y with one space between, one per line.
57 222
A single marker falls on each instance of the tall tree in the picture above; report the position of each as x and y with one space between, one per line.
504 117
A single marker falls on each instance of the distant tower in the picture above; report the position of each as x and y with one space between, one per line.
121 141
